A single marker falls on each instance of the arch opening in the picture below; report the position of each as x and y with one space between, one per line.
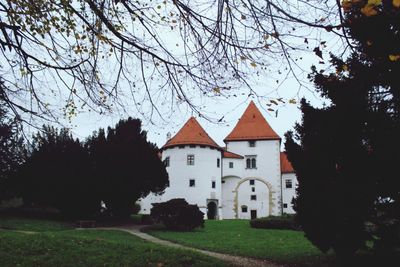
212 210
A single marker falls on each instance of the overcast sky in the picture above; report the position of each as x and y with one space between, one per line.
272 83
230 108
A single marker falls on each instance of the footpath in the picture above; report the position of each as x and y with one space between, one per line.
233 260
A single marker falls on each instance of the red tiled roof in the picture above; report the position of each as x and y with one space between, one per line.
191 134
286 166
231 155
252 126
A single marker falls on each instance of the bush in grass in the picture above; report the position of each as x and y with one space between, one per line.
275 222
136 208
177 214
146 219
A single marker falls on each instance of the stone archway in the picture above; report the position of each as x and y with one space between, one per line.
212 210
271 194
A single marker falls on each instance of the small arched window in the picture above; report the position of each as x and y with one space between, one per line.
253 163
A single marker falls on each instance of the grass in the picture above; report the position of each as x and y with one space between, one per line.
63 247
35 225
236 237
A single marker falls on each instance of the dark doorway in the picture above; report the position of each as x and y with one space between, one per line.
253 214
211 210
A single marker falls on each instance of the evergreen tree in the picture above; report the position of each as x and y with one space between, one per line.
12 153
345 155
12 149
126 166
57 174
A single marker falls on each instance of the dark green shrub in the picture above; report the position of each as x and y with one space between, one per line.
146 219
177 214
275 222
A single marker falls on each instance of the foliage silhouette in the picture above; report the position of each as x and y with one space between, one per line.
345 155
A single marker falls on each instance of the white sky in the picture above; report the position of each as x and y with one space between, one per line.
231 108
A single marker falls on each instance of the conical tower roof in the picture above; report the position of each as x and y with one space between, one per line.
252 126
191 134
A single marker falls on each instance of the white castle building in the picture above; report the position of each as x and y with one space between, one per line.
248 178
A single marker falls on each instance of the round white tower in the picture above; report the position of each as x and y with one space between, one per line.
194 165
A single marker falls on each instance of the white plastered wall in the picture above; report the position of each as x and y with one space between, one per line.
204 172
268 172
289 193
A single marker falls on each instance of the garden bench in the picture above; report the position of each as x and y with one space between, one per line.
86 223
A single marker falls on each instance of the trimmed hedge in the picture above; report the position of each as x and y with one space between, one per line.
286 222
176 214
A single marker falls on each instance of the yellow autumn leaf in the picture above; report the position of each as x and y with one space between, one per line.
394 57
253 64
374 2
346 5
217 90
396 3
369 10
292 101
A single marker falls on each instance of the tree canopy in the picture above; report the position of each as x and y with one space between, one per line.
105 175
12 151
126 166
93 54
57 174
345 154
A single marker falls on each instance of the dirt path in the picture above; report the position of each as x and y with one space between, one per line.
234 260
18 231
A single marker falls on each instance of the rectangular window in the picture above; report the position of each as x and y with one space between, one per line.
202 146
253 189
251 162
192 183
190 159
244 208
252 143
288 183
181 147
253 197
192 146
251 182
166 162
218 162
285 205
231 165
213 184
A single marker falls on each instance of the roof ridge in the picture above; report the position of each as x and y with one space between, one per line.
191 133
252 125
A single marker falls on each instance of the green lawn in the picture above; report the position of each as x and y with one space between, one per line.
236 237
36 225
61 247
